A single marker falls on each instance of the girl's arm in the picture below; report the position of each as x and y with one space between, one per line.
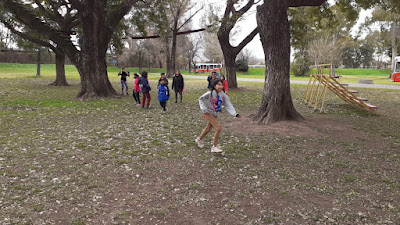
203 107
229 107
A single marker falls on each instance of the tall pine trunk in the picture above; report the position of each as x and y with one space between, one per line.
38 62
394 47
273 24
60 70
170 70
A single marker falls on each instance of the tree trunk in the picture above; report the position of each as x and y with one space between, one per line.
273 24
140 61
229 57
38 62
60 71
173 52
230 70
150 64
92 62
394 47
170 70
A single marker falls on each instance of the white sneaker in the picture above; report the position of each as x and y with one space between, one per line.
199 143
216 149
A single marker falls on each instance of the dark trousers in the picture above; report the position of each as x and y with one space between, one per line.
146 95
164 105
176 95
136 96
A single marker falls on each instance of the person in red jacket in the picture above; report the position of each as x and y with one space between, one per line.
136 89
225 83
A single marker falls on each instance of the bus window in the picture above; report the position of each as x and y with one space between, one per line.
397 69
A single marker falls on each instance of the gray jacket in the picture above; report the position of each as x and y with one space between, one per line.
210 105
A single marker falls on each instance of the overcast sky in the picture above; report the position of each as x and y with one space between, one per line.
245 26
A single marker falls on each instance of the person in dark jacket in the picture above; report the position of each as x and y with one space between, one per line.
162 77
211 78
145 88
178 85
123 73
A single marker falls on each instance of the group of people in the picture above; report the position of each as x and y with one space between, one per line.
142 85
210 103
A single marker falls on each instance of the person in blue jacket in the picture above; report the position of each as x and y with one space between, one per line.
163 94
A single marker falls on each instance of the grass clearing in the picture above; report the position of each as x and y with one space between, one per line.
64 161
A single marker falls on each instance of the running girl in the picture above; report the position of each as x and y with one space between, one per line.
210 104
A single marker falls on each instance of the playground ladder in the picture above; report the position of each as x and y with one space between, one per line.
319 84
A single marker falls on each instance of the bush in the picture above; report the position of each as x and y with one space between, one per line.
241 65
301 66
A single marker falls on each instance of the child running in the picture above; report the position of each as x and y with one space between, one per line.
210 104
163 94
144 82
136 89
123 75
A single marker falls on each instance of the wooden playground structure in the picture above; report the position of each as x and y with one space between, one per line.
320 83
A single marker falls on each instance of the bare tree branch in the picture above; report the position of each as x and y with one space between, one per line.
298 3
44 10
246 7
187 20
246 40
28 37
158 36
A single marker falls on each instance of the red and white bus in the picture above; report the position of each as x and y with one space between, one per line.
396 74
207 67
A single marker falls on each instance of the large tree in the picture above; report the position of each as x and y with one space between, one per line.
97 20
169 17
274 29
230 18
382 15
33 37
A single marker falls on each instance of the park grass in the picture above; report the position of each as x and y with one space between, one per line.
64 161
13 70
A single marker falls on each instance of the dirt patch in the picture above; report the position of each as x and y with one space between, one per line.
311 127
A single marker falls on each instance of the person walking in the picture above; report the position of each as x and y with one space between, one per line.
178 85
145 88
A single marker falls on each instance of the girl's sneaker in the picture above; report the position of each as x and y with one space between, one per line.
199 143
216 149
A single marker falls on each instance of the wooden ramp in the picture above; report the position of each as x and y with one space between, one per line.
319 84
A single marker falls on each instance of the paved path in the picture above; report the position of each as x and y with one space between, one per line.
379 86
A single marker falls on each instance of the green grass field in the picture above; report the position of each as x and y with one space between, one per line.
106 161
48 71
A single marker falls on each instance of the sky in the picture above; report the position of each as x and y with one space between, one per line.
245 26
